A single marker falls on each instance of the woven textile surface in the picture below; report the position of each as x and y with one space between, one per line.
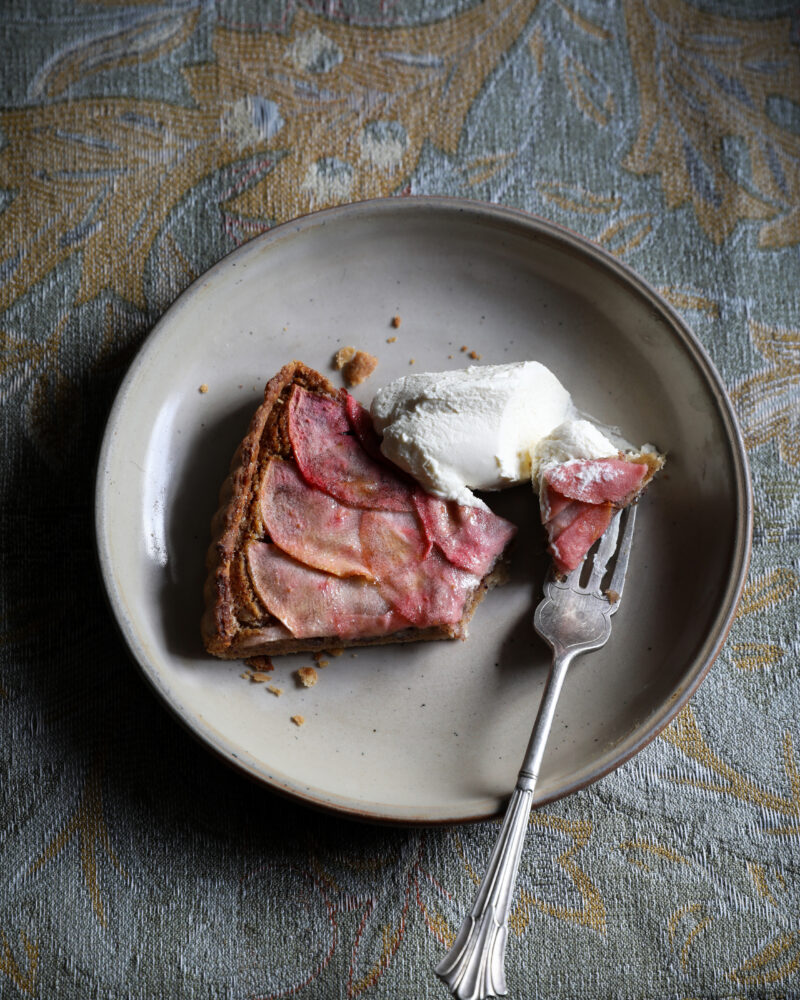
139 143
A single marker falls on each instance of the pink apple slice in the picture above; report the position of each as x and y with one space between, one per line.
571 543
425 589
597 480
310 525
331 457
470 538
310 602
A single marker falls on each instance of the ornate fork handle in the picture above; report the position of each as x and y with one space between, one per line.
474 967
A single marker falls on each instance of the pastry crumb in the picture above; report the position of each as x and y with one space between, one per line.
334 652
259 663
359 367
391 340
274 690
259 677
411 361
342 356
463 348
307 676
203 388
298 720
475 356
612 596
396 321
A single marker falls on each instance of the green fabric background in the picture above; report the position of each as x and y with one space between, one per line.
139 143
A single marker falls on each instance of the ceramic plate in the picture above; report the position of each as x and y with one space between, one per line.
428 732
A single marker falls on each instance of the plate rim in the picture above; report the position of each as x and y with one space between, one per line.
532 225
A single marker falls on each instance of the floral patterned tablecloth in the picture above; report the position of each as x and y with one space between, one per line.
139 142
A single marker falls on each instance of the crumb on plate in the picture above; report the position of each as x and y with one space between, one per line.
359 368
475 356
391 340
396 321
203 388
342 356
298 720
274 690
259 663
307 676
612 596
334 652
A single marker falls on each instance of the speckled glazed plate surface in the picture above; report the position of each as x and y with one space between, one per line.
427 732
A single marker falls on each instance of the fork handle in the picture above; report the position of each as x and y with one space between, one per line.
532 762
474 967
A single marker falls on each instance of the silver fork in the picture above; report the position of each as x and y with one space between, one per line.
572 620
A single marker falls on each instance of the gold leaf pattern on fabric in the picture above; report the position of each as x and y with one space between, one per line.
683 926
356 103
574 198
593 912
23 978
773 963
683 298
537 45
148 38
20 355
390 935
634 848
340 111
86 824
768 402
703 78
483 168
626 233
394 881
584 23
99 177
474 877
592 95
588 92
755 655
768 590
761 593
758 874
440 927
684 733
430 895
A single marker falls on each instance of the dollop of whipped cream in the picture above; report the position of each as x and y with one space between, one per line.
473 429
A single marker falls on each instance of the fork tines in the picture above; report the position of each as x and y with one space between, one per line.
623 553
610 546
